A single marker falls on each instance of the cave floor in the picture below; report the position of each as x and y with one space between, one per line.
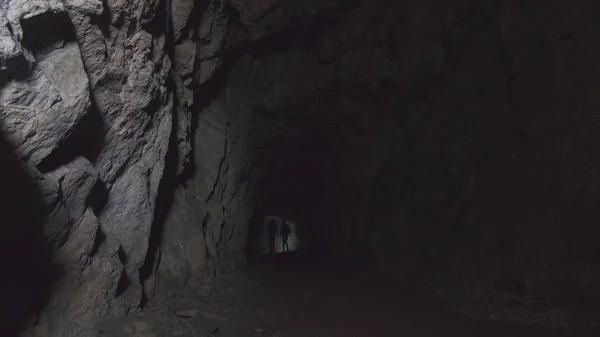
281 298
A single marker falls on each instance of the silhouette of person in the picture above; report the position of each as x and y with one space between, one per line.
285 232
272 230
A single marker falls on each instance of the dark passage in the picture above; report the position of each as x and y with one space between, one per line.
25 255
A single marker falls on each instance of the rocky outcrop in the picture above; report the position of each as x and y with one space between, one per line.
86 106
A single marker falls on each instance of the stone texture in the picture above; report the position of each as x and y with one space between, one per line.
93 7
113 76
185 54
58 224
42 112
183 123
81 241
183 254
129 212
76 181
180 12
82 296
139 329
212 33
12 56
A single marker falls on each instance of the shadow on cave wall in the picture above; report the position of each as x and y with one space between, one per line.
27 268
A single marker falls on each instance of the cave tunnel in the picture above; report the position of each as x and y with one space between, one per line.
299 168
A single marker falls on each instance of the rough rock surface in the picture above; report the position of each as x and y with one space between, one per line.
455 138
89 107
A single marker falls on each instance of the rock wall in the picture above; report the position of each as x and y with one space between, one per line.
146 137
86 108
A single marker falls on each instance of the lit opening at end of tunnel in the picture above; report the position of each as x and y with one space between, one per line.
278 235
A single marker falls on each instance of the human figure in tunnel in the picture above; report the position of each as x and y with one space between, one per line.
272 230
285 233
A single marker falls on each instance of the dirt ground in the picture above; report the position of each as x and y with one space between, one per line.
279 297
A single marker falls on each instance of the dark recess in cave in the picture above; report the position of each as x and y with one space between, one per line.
98 197
103 20
48 30
25 256
160 22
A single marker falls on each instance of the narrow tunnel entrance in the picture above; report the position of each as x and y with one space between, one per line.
277 235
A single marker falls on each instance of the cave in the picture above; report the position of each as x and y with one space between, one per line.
299 168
